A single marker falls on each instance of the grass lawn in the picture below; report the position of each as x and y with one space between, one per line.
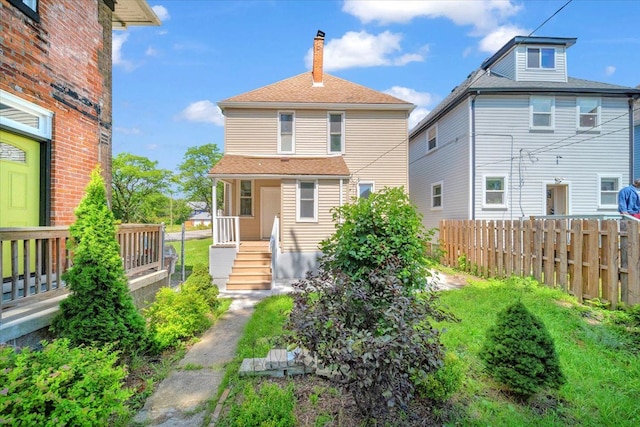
196 251
599 355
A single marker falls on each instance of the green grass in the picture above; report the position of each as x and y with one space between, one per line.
196 251
601 363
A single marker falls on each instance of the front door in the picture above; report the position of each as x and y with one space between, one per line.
557 199
269 208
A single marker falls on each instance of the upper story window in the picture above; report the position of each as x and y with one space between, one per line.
21 115
436 196
365 189
495 191
28 7
541 57
336 132
588 110
432 138
609 187
286 133
246 197
542 109
307 201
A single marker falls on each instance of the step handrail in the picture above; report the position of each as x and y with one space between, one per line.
274 247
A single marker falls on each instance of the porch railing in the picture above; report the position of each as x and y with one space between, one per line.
274 247
226 230
34 259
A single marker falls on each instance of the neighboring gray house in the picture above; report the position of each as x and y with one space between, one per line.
519 137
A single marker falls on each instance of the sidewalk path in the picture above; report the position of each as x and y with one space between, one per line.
181 398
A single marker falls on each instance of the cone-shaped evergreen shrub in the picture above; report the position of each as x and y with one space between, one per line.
99 309
519 352
200 281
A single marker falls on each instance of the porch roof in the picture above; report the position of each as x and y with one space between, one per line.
236 166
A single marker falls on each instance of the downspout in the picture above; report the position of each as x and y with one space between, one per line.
473 155
631 141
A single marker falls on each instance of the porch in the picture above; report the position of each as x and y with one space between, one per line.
34 259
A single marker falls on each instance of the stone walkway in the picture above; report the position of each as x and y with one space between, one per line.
181 398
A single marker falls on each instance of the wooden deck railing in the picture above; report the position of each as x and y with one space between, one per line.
34 259
588 258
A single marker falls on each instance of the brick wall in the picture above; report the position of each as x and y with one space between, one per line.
63 64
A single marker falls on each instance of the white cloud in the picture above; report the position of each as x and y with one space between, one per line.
498 37
161 12
361 49
420 99
417 115
609 70
151 146
204 112
128 131
151 51
116 51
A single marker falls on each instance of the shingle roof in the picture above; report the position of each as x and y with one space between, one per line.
300 89
232 164
480 80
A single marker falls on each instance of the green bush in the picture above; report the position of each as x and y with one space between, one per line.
270 406
372 230
99 309
443 383
61 386
520 353
200 281
177 316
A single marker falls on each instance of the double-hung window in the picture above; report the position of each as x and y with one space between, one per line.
436 195
365 189
495 191
542 112
609 187
286 132
307 198
336 132
588 110
541 57
432 138
246 197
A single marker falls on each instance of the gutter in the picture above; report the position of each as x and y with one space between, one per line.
473 155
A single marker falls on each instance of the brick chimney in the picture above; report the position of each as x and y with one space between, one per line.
318 46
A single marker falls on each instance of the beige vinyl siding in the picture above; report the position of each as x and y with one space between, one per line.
506 66
250 226
305 236
376 148
540 157
311 133
448 163
559 74
251 132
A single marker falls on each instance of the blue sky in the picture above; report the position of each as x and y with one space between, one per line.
168 79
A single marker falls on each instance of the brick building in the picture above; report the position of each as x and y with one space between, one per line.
55 102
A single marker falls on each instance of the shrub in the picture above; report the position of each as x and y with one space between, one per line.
372 230
176 316
520 353
99 309
443 383
270 406
200 281
61 385
370 332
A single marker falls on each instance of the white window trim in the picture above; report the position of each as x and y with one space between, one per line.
45 117
342 142
293 132
435 184
598 114
372 183
505 204
315 201
253 198
540 67
599 192
553 113
435 129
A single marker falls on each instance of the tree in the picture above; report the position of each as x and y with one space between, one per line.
99 309
193 179
135 179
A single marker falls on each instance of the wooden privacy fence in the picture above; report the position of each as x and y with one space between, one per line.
33 259
589 258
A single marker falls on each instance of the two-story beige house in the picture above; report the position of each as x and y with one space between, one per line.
292 151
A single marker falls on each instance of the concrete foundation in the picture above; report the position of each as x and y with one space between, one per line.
220 263
295 265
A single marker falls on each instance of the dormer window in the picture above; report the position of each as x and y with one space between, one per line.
541 57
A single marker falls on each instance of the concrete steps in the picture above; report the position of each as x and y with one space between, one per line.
252 268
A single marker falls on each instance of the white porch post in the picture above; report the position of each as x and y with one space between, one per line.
214 210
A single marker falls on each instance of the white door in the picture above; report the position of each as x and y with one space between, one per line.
557 199
269 208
